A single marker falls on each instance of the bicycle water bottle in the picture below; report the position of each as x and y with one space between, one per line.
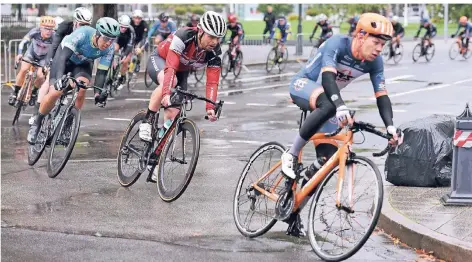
164 128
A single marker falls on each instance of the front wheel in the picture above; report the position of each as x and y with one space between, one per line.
35 151
63 142
430 50
131 151
238 64
225 65
454 51
283 64
358 213
416 52
397 53
270 63
176 166
253 211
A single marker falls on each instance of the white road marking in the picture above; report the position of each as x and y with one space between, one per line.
394 68
26 115
281 94
259 78
226 93
399 110
142 91
229 103
117 119
138 99
246 69
393 79
463 81
260 104
419 90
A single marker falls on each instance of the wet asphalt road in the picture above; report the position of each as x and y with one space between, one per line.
84 214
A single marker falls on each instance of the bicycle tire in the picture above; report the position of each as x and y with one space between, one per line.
239 188
451 56
283 65
398 57
413 54
375 216
238 64
225 64
127 181
20 100
469 52
53 170
191 127
431 47
147 79
270 61
35 151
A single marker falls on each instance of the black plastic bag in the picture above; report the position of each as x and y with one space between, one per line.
425 157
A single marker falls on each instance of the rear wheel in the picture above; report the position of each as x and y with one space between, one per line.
416 52
334 240
254 212
468 54
130 154
454 50
63 142
176 166
35 151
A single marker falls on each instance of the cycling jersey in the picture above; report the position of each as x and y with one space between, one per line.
235 30
325 29
65 28
181 51
164 31
284 30
467 29
430 30
141 32
336 53
39 45
398 29
126 40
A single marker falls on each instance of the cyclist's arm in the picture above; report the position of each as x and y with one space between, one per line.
153 29
383 101
272 31
314 31
143 42
26 39
401 30
129 46
102 69
60 61
419 30
57 39
177 47
213 77
329 73
172 26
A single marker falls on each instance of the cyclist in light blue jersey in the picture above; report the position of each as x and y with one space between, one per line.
163 27
76 55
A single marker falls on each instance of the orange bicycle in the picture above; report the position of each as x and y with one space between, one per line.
457 48
24 96
340 190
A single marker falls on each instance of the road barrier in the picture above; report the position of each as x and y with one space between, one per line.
4 72
12 54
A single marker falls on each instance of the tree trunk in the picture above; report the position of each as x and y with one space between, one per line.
104 10
20 16
42 9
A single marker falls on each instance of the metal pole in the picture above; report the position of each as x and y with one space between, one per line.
299 50
446 20
405 14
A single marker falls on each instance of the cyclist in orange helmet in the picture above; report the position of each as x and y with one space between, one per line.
316 88
464 35
40 38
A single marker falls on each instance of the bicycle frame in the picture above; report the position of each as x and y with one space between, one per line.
31 74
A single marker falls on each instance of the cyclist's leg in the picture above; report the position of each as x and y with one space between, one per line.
181 77
125 64
20 77
82 72
40 78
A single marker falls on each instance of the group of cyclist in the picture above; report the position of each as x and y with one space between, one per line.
315 88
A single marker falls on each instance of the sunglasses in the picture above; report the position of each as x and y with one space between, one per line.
108 39
48 28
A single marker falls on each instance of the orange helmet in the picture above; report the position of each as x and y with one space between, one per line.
232 18
47 21
375 24
463 19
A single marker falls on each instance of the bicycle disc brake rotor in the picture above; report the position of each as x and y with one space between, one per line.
284 205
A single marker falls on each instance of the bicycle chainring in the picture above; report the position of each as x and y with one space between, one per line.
284 205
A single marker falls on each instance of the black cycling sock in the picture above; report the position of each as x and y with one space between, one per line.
17 89
150 115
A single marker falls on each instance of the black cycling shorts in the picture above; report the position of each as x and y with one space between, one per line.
156 63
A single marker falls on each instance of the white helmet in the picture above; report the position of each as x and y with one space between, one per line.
83 15
58 20
138 13
323 17
213 24
124 20
395 18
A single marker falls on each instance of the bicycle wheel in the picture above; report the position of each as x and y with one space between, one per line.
249 201
131 150
238 64
199 73
468 54
283 64
270 62
147 79
35 151
385 52
430 52
20 100
225 64
454 51
416 52
184 136
327 236
63 142
398 54
131 80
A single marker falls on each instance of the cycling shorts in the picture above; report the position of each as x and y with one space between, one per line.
156 64
80 70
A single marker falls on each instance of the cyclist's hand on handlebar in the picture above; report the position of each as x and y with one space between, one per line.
397 134
211 115
18 58
60 83
138 50
343 116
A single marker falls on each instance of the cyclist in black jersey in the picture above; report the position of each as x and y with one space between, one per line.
194 19
124 42
141 31
352 25
398 32
237 33
326 29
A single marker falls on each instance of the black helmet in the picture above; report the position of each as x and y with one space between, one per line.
164 17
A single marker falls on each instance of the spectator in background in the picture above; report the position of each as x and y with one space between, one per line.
269 19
